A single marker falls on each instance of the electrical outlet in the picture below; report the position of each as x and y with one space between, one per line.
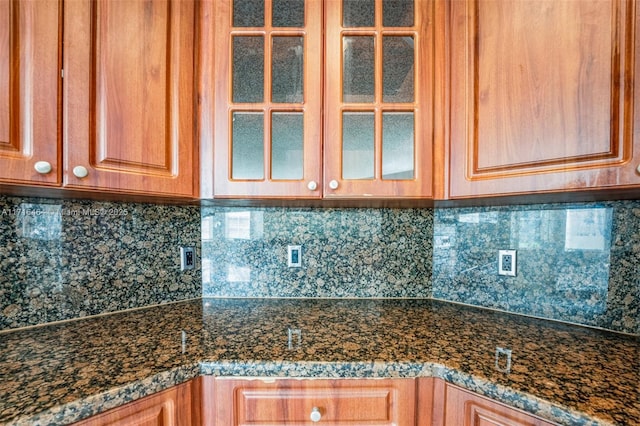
507 262
294 256
187 258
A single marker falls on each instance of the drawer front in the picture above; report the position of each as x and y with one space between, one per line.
307 402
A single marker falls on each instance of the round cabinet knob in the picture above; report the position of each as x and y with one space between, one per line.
312 185
42 167
80 171
316 415
334 184
638 169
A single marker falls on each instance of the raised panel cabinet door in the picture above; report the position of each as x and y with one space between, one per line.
379 98
315 401
29 101
128 96
463 408
171 407
261 104
541 96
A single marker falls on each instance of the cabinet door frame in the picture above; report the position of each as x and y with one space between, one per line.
163 166
216 116
424 33
31 45
614 167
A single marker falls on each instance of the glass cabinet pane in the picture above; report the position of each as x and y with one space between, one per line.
248 13
288 13
358 145
248 69
397 69
358 13
287 145
287 69
247 146
397 13
397 145
358 69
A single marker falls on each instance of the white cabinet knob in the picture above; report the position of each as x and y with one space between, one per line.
334 184
316 415
638 169
80 171
312 185
42 167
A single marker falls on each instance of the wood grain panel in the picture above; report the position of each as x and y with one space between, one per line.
29 70
430 401
541 96
133 87
6 49
128 111
464 408
171 407
543 85
340 402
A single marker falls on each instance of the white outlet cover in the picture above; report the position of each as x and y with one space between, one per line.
294 256
507 262
187 258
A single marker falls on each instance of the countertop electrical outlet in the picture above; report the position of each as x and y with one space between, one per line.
507 262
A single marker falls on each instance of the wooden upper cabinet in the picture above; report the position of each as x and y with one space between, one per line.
379 76
265 117
128 96
29 79
541 96
310 100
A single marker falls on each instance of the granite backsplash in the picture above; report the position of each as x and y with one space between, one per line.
345 252
575 262
64 259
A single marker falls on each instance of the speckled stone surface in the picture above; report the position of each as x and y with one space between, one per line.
63 259
575 262
568 374
68 259
345 252
62 373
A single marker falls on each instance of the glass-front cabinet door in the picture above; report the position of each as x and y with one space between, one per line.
378 98
317 98
267 88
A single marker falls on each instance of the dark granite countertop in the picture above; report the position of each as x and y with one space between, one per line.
62 373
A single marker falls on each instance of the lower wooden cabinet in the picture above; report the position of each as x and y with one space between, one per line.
362 402
220 401
177 406
464 408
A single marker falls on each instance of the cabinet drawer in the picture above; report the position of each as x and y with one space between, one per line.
335 402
